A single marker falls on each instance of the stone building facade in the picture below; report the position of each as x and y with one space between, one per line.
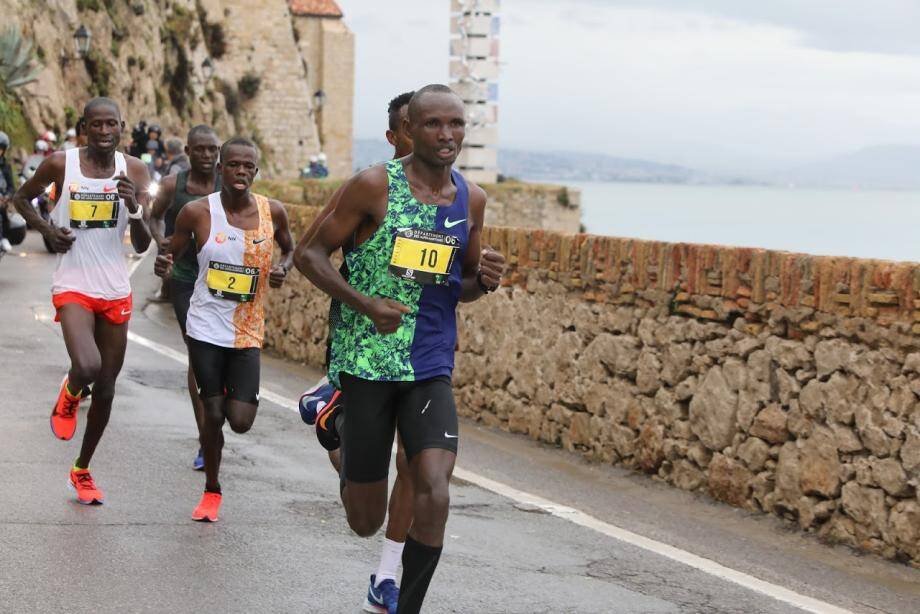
780 383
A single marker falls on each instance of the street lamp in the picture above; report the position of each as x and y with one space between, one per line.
81 40
207 69
319 99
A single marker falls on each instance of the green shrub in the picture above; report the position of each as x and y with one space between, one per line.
249 85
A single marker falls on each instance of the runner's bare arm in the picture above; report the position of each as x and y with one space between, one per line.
187 223
51 170
314 226
285 241
363 197
161 204
480 263
133 189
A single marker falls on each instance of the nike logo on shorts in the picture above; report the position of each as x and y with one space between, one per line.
449 224
257 241
449 436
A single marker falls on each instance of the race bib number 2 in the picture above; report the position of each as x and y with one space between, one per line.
233 282
93 209
423 256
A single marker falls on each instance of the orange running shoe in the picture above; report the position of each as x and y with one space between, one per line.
207 508
64 414
82 482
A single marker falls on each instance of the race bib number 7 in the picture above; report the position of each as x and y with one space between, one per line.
93 209
423 256
232 282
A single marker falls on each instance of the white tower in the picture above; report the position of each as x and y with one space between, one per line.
474 28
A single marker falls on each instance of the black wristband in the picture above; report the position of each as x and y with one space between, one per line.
485 289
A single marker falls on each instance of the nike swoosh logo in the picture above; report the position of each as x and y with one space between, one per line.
377 598
124 313
449 224
257 241
109 189
449 436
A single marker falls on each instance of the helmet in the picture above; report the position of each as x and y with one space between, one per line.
41 145
4 140
49 136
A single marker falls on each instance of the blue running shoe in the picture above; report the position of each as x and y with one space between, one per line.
381 599
314 399
198 463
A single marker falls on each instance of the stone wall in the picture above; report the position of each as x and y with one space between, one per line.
522 205
775 382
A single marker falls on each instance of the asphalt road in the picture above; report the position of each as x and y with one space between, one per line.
282 544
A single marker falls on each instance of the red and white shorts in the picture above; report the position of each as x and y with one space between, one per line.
117 311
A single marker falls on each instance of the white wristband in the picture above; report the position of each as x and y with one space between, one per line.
137 215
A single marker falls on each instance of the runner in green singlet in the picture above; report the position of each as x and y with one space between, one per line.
416 224
203 148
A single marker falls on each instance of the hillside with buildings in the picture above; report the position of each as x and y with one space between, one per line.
279 71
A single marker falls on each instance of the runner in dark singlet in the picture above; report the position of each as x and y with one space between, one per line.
175 192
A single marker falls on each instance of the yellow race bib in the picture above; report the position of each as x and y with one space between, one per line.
423 256
93 209
232 282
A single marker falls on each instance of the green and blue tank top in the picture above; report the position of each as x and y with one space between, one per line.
414 257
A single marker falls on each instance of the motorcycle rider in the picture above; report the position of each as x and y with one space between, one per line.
7 188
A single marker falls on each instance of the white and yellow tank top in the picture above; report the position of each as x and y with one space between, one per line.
95 265
227 307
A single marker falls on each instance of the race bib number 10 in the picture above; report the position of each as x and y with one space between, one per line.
93 209
423 256
233 282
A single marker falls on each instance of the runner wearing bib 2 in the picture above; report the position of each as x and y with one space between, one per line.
234 233
417 226
102 194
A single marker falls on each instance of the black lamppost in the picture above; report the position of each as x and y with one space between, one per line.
81 40
319 99
207 69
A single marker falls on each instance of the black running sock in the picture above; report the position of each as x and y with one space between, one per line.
419 562
339 423
214 490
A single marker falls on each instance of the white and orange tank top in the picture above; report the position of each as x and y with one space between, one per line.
95 264
227 307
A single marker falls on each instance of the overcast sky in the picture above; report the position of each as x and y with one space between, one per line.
714 84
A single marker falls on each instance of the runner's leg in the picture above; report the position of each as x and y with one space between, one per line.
209 363
78 325
429 429
366 428
111 341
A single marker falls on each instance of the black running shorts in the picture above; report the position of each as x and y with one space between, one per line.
424 411
181 299
231 371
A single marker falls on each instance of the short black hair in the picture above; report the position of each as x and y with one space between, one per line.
434 88
395 105
100 101
202 129
238 140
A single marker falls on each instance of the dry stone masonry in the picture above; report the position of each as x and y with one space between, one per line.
775 382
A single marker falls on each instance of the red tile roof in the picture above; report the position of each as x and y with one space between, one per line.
320 8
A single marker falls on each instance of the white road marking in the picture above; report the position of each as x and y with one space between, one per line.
803 602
